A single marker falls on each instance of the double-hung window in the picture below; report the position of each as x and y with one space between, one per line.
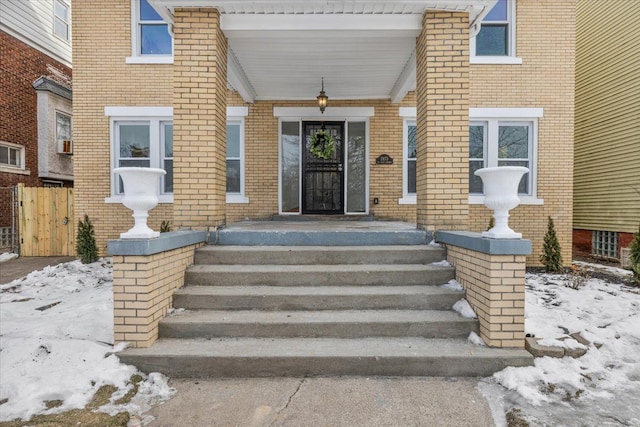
409 151
503 137
495 42
235 155
61 20
141 137
11 157
151 40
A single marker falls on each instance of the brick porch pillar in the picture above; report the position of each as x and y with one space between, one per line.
442 89
199 119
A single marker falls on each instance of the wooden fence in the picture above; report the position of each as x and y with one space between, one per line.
46 221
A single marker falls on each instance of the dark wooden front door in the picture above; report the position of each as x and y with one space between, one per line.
323 180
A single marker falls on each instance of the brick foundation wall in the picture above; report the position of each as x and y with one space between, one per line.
495 290
582 242
20 66
143 288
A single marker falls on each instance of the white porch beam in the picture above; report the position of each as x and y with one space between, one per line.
238 79
406 81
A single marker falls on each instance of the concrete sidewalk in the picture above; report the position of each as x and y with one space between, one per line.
22 266
341 401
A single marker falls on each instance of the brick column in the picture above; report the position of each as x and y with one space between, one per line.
199 119
442 90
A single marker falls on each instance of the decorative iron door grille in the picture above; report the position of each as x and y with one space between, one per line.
323 180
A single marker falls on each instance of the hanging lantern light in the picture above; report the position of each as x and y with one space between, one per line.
322 98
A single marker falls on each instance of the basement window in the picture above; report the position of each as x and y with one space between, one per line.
605 243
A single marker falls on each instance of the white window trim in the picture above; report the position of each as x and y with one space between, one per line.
20 170
136 57
407 198
131 114
239 197
511 58
163 114
409 115
515 115
59 141
67 22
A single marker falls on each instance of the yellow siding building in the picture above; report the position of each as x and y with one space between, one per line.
607 136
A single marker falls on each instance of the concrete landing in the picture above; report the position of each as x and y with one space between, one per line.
320 233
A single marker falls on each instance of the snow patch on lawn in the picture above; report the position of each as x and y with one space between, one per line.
594 389
56 341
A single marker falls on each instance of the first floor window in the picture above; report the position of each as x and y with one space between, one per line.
145 143
498 142
11 155
410 150
234 157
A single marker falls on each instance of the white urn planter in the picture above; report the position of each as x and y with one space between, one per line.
501 195
141 187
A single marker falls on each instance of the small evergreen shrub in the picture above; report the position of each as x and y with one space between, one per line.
165 227
634 256
86 247
551 256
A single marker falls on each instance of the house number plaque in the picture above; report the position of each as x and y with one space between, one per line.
384 159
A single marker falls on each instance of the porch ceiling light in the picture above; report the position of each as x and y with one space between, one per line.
322 98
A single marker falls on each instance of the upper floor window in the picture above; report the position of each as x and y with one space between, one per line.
150 37
64 133
495 42
11 155
61 21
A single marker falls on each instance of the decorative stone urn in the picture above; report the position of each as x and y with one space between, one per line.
501 195
141 187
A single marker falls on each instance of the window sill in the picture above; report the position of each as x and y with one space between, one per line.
237 199
17 171
149 60
409 199
524 200
163 198
513 60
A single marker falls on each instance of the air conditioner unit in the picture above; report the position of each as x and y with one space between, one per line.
625 254
65 147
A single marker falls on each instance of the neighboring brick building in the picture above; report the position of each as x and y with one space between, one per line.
235 90
35 97
607 155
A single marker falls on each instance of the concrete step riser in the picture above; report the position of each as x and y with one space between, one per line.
383 256
329 278
315 302
208 366
320 238
445 329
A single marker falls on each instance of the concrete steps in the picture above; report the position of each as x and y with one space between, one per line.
319 275
283 310
317 324
269 357
315 297
310 255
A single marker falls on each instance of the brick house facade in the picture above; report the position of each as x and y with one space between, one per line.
532 88
27 124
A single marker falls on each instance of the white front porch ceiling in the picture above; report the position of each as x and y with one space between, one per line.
280 50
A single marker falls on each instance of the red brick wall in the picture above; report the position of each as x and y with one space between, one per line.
582 241
20 66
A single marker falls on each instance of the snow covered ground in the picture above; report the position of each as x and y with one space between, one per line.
601 388
56 344
56 337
